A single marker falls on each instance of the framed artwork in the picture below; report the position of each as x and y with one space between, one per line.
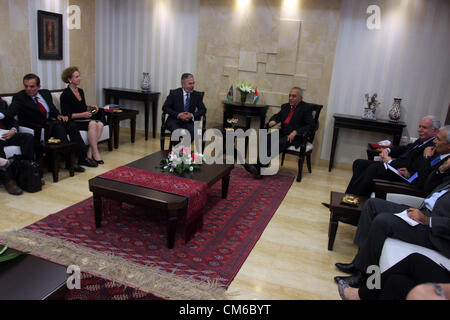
50 35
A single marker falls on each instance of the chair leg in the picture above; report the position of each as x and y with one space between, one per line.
308 162
161 141
282 158
300 168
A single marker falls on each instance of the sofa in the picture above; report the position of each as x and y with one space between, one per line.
10 151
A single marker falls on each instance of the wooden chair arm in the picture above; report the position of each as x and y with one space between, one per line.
383 187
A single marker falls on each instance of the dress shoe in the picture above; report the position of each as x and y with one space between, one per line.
77 168
254 170
326 205
87 162
13 188
346 268
99 161
353 281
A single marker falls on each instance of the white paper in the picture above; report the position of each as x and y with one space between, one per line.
2 132
404 215
389 167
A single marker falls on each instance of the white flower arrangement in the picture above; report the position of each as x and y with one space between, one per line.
244 86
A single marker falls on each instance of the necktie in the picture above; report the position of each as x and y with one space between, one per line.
186 106
41 107
288 119
2 126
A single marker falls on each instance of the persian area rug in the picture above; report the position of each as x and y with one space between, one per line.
130 247
95 288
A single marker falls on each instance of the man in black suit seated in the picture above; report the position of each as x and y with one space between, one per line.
406 157
295 118
432 231
9 136
374 215
184 106
34 105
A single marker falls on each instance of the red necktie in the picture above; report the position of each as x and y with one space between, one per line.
2 126
41 107
288 119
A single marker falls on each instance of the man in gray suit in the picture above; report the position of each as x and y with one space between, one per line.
432 231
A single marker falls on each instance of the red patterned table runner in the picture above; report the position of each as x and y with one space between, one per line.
195 191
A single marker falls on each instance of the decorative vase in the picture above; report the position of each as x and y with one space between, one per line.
369 113
243 96
145 84
394 111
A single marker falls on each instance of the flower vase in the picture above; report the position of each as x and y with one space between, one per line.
145 84
369 113
394 111
243 97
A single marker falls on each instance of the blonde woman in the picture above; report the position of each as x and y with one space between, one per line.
88 118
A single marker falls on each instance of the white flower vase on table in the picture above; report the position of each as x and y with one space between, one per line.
372 104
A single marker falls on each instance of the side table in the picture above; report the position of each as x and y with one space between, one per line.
338 210
54 152
114 119
31 278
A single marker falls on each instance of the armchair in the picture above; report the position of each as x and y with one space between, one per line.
306 147
167 133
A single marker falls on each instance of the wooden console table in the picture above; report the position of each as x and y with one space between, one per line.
249 111
138 95
356 122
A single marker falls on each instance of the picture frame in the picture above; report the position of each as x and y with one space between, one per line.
50 35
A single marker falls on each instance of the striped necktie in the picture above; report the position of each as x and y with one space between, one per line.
186 106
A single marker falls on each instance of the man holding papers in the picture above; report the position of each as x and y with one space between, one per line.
395 162
428 226
10 137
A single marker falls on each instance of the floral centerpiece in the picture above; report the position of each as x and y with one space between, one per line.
181 159
372 104
245 88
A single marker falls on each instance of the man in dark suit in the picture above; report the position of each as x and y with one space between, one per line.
295 118
184 106
432 231
34 105
10 135
406 157
373 223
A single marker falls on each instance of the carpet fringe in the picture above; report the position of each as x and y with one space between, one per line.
150 279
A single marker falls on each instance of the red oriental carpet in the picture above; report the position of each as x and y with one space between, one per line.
130 247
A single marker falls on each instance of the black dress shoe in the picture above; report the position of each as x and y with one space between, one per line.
99 161
353 281
77 168
254 170
87 162
346 268
326 205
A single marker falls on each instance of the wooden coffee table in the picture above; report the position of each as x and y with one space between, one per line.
174 206
338 210
32 278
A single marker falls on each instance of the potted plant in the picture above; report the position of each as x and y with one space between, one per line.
245 88
372 104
